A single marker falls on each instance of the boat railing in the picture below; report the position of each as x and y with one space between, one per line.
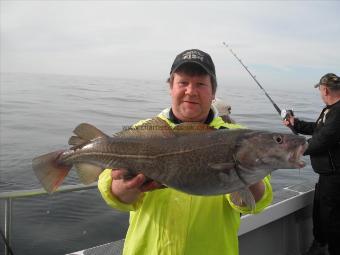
8 198
288 200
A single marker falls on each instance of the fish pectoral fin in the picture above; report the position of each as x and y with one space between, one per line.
244 197
88 173
222 166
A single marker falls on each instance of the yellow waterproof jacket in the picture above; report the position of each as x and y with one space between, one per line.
166 221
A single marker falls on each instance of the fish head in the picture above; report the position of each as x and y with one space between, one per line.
268 150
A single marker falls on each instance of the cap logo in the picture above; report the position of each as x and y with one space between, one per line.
193 55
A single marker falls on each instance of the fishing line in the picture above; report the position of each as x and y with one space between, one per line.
284 112
6 243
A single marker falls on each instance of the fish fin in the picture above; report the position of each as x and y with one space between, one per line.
187 128
49 172
87 132
76 141
222 166
244 197
88 173
84 133
155 127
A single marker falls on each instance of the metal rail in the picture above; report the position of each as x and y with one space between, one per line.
11 195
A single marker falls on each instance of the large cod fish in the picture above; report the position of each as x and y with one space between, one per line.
191 158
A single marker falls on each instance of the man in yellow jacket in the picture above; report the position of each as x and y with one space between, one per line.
166 221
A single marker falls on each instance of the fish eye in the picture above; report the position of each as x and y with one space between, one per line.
278 139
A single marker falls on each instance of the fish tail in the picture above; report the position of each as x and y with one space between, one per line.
49 171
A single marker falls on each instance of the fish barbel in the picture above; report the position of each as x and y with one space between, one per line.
191 158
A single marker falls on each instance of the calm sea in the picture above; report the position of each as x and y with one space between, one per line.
38 113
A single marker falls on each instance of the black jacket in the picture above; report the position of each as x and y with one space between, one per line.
324 145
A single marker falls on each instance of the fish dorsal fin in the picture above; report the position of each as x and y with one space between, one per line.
88 132
187 128
155 127
84 133
76 140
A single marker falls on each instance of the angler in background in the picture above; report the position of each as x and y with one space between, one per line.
166 221
324 151
223 109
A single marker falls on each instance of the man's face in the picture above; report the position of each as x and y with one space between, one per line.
191 96
323 93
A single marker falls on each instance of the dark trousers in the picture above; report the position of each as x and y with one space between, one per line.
326 212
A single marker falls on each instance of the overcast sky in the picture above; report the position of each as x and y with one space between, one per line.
282 42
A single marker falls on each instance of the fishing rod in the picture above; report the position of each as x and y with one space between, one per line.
285 114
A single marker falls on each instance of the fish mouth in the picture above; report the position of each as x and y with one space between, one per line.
294 157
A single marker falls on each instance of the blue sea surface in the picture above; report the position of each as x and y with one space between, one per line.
38 113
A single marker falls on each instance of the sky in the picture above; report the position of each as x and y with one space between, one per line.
284 43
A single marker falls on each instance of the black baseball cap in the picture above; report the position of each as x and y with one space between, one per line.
330 80
198 57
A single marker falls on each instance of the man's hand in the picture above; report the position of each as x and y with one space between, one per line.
257 190
128 191
289 121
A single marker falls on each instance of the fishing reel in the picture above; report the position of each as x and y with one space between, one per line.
286 113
